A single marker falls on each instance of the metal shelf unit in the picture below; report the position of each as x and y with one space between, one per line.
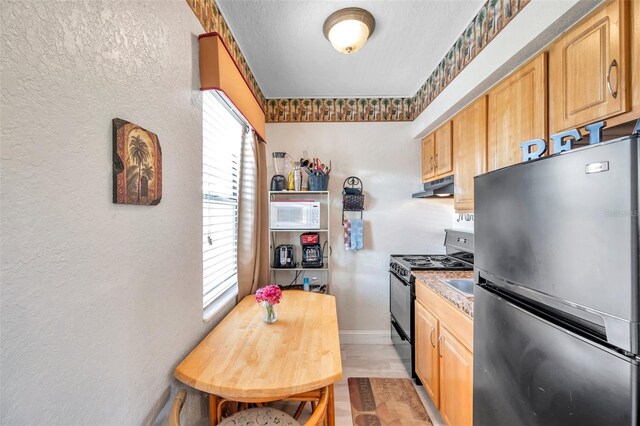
294 276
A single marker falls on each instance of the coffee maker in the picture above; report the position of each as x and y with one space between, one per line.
278 181
311 250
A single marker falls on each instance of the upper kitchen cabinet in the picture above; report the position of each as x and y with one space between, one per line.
635 58
469 151
437 153
444 149
588 69
634 91
517 111
428 162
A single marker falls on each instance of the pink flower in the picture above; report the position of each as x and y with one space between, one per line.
270 294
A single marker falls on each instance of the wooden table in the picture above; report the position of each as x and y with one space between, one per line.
243 359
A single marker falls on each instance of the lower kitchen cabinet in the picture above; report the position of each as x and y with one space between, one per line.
444 355
427 357
456 380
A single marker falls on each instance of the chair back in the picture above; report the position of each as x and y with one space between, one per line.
176 408
320 413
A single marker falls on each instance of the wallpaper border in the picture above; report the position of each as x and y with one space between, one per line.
492 17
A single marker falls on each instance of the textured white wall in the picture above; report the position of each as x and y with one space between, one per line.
99 301
388 162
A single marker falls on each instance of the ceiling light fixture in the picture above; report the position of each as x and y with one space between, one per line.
348 29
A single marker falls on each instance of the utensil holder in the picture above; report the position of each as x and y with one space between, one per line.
318 182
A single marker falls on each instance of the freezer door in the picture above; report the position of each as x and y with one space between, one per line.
529 371
564 230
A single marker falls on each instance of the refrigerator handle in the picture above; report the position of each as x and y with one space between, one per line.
615 331
588 317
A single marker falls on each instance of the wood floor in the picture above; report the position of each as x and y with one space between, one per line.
370 361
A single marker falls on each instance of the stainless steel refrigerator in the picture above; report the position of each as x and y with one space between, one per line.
556 324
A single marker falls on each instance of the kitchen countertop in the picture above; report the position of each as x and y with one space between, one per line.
435 281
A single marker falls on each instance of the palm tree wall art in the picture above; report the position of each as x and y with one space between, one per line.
138 154
137 165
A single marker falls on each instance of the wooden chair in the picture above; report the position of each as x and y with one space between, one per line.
228 407
176 408
269 415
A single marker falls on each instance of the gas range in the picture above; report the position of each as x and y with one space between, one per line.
459 257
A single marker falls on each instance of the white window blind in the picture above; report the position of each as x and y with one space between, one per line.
222 140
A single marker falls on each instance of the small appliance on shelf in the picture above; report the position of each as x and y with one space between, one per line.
311 250
284 257
295 214
278 180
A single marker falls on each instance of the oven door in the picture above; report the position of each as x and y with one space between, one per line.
401 305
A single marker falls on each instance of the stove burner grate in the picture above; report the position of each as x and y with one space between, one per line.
417 260
438 258
451 263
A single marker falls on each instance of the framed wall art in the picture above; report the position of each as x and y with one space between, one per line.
137 165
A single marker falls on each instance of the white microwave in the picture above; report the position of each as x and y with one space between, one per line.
298 214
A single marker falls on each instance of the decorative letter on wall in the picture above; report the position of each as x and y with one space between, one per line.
572 135
137 165
595 132
527 154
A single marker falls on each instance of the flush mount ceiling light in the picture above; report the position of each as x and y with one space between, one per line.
348 29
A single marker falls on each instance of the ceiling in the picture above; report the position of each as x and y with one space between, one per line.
283 44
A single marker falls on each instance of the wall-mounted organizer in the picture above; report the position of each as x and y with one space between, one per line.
352 196
353 201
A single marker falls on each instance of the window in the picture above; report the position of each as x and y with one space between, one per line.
222 134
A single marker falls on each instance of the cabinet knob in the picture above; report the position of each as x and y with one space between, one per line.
614 93
432 337
440 339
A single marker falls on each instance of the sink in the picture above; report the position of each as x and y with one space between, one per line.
463 286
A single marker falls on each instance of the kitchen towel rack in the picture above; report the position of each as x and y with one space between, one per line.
353 201
352 196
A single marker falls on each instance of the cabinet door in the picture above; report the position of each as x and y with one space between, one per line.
517 113
428 160
469 151
635 57
456 380
587 77
444 149
427 359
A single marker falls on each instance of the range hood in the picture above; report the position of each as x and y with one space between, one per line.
437 188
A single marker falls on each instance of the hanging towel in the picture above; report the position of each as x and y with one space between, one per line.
346 224
357 234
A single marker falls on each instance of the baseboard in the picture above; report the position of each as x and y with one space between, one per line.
365 337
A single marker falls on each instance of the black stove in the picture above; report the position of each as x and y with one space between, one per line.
459 257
